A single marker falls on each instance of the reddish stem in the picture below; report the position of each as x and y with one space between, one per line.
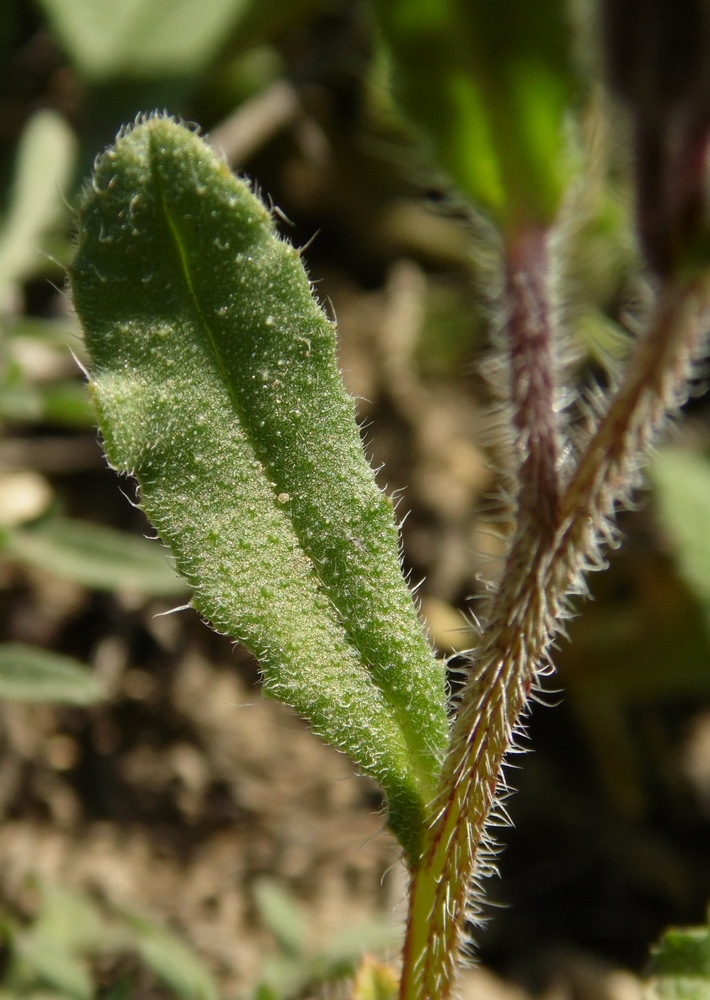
532 385
556 539
500 680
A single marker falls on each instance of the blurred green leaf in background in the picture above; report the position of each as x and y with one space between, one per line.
28 673
37 204
490 82
50 955
126 38
680 966
94 556
682 481
297 968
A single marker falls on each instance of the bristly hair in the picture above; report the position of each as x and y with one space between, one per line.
561 483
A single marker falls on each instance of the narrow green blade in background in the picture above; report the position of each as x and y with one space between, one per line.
28 673
94 556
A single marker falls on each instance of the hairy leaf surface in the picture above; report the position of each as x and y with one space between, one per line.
216 383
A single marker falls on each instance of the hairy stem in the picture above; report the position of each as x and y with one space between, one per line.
532 388
654 385
497 689
557 538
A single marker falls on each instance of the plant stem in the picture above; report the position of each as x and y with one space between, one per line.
557 538
654 385
500 680
532 383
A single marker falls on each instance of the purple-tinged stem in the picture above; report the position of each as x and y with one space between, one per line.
500 682
555 541
532 383
655 384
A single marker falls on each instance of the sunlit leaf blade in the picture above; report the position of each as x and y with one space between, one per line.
28 673
96 557
490 81
216 383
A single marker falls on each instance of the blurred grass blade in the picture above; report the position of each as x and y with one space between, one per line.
70 918
142 38
289 975
96 557
215 377
54 964
66 404
28 673
171 959
43 173
682 482
283 977
281 915
342 953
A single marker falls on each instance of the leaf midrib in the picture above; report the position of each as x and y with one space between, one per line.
409 738
234 399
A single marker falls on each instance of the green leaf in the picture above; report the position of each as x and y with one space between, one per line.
374 981
43 172
40 994
70 919
142 37
344 950
94 556
51 334
28 673
282 977
491 83
682 481
680 967
54 964
173 961
216 383
264 991
123 989
63 403
281 915
289 975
